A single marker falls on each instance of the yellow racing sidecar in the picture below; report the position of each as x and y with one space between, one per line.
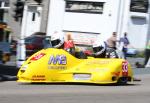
58 66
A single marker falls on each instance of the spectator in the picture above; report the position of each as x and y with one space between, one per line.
111 42
147 53
147 56
69 44
125 43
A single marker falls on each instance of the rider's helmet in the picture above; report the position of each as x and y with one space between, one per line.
57 40
99 49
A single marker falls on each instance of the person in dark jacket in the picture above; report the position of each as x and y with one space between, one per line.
146 58
147 53
126 43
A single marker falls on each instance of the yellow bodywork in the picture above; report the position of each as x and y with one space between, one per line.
56 65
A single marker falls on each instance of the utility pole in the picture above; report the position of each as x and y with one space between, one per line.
21 49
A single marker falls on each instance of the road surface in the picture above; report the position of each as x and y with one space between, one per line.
135 92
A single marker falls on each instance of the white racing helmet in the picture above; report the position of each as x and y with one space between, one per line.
57 39
99 48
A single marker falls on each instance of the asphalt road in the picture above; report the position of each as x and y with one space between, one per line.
135 92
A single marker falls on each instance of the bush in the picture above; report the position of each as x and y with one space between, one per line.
140 54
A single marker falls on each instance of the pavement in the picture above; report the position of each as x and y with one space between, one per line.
133 60
9 70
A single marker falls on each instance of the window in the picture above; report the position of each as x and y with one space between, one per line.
84 7
4 3
139 6
33 17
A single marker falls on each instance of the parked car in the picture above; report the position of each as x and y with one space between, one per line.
34 43
131 52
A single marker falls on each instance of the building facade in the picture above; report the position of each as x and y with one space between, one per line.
88 18
30 12
93 18
4 27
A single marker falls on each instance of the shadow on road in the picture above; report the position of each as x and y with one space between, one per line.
82 84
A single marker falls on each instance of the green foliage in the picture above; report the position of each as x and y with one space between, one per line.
140 54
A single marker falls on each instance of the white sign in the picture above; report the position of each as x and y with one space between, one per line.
83 38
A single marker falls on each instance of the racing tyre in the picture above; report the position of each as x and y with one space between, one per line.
122 81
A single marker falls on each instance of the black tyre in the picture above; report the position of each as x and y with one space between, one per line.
122 81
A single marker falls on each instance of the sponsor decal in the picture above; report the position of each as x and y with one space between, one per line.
98 62
37 57
81 76
57 67
58 59
124 68
38 77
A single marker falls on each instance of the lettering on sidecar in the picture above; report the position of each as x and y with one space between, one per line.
58 59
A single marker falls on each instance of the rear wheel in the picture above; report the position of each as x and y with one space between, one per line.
122 81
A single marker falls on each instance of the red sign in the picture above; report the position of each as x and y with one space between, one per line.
37 57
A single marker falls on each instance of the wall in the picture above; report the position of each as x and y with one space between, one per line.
137 31
103 24
116 17
138 28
